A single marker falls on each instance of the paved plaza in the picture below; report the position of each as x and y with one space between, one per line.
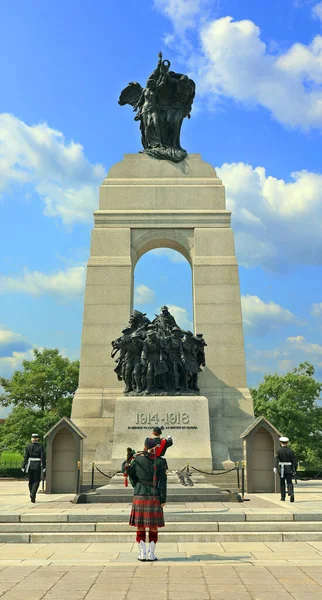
239 570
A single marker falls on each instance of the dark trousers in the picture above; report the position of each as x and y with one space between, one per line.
34 481
290 488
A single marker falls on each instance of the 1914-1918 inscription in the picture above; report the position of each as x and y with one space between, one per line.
169 420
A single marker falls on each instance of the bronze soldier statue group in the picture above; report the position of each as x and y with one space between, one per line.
158 355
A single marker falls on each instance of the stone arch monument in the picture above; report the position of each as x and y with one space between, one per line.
147 203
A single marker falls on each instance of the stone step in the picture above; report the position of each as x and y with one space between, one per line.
180 498
196 537
104 515
171 526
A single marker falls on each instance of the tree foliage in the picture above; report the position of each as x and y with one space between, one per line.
40 394
289 402
45 382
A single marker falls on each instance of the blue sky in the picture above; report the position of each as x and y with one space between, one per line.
257 118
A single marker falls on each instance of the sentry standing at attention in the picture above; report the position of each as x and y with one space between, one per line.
34 464
285 464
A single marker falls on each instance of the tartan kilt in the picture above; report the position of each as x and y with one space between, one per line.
146 512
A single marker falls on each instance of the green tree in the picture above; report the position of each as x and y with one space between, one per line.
44 383
290 403
41 393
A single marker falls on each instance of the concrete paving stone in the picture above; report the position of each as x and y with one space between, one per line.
230 596
20 595
15 573
118 568
6 585
68 595
288 546
306 596
138 596
245 546
95 568
271 595
185 595
222 589
94 594
110 547
199 547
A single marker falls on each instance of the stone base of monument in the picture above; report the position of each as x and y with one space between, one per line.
201 491
185 418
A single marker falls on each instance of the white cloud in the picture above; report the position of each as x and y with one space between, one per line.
181 316
276 222
236 63
66 283
14 348
317 11
182 13
232 61
172 255
316 310
9 364
59 172
261 317
302 344
143 294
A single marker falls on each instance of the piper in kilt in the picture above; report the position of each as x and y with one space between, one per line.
147 473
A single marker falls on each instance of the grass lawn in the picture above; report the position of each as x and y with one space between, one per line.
11 457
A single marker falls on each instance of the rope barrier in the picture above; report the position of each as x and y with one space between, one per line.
206 473
105 475
307 478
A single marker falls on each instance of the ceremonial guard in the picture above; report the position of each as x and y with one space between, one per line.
147 473
34 464
286 464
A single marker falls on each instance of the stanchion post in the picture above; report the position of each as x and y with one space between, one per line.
243 479
93 470
78 477
238 477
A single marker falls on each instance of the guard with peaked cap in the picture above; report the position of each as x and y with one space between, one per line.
34 464
285 465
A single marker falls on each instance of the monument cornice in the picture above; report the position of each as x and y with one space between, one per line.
162 218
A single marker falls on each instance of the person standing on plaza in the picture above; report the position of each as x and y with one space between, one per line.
147 473
34 464
285 464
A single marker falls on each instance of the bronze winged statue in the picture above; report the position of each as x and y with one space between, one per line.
161 107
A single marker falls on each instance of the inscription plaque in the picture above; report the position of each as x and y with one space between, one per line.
185 418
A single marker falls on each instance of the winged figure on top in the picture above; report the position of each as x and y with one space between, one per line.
160 108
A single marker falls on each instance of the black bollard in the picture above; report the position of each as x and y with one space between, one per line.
78 477
93 469
238 477
243 479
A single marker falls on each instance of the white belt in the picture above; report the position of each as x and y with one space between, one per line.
282 465
29 461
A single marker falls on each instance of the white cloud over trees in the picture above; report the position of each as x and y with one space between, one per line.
260 317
